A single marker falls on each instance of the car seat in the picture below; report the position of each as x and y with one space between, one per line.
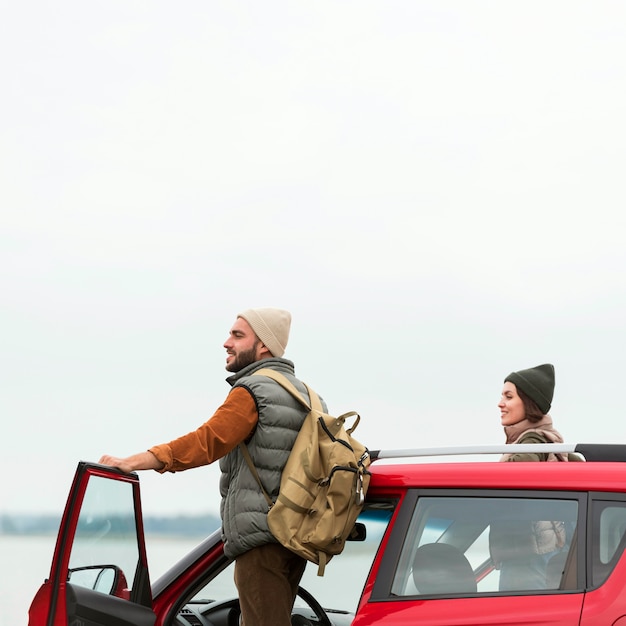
442 568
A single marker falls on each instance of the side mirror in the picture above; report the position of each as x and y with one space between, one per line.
358 533
108 579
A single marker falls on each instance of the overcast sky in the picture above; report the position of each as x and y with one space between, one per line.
435 189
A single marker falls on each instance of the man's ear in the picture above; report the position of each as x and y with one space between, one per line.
263 351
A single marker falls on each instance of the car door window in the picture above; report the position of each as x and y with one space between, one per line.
473 545
105 552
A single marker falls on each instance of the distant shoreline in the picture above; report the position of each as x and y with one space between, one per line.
180 525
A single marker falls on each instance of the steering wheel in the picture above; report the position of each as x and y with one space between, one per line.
228 611
315 606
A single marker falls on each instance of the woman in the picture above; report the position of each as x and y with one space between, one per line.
521 549
524 405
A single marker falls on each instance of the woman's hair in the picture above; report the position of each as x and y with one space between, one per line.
532 411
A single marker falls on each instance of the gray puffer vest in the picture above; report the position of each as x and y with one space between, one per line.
243 507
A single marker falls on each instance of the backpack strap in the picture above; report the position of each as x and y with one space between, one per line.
316 404
287 384
284 382
246 455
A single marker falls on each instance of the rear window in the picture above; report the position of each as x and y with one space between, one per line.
608 538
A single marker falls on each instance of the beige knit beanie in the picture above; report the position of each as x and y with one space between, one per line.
271 326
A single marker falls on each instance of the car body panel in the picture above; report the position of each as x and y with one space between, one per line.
607 603
525 610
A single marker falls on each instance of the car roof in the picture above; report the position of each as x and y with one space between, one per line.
493 475
440 468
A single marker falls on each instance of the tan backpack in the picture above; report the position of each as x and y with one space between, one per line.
323 485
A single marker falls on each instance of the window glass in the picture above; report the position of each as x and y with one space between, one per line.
468 545
105 552
609 532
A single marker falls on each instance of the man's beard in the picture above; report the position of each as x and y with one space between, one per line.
243 359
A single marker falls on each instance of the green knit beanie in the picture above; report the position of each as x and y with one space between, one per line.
537 383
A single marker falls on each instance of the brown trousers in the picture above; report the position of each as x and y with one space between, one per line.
267 580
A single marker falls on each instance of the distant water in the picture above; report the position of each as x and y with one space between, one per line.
25 563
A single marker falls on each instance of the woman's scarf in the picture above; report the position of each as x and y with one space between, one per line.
543 427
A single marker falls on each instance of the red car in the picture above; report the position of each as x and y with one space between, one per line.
443 542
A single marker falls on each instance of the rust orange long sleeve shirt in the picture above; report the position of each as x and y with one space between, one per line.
232 423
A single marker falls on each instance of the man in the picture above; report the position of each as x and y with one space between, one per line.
261 413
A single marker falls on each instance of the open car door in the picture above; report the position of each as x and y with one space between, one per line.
99 573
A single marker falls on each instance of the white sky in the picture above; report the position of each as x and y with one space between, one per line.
435 189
